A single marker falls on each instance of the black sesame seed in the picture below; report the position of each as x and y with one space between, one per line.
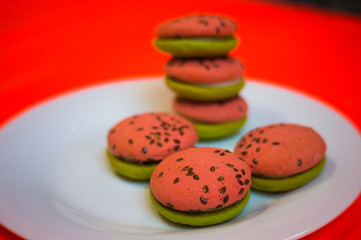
170 205
176 141
205 189
299 162
148 137
179 159
185 168
203 200
219 206
223 24
240 181
167 134
160 174
235 169
176 148
205 23
130 141
246 181
230 165
255 161
241 191
212 169
114 147
151 141
222 190
243 172
244 153
189 173
241 145
220 178
144 150
166 139
159 144
238 176
131 122
258 149
217 151
264 140
222 154
195 177
155 127
225 199
176 180
190 169
275 143
140 129
261 131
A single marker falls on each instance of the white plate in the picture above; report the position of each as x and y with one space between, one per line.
55 181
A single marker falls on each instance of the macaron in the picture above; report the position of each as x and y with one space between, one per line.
200 186
197 36
138 143
205 79
213 120
282 156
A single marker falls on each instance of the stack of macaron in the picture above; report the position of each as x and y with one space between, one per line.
206 80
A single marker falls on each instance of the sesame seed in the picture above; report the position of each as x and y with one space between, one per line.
299 162
225 199
203 200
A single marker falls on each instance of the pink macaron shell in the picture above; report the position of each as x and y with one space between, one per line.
197 26
150 136
200 179
207 71
212 112
281 149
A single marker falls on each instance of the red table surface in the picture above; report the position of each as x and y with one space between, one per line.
48 48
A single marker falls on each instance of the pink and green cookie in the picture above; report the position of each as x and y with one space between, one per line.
197 36
201 79
200 186
214 120
138 143
282 156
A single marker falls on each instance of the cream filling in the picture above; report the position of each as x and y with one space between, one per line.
221 84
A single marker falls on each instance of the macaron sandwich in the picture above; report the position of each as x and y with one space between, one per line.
200 186
138 143
282 157
200 69
197 36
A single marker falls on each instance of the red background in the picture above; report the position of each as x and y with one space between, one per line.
47 48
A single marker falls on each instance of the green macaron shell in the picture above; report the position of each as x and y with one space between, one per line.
131 170
203 93
201 218
287 183
212 131
191 47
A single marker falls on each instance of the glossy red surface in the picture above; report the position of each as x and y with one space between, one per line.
48 48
